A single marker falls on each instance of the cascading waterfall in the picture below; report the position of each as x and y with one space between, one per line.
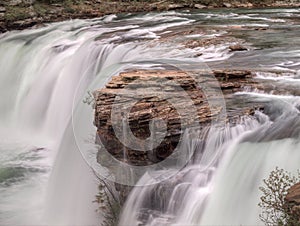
45 73
191 187
228 186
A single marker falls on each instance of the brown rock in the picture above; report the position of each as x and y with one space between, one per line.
173 97
227 5
293 195
175 6
200 6
293 201
237 47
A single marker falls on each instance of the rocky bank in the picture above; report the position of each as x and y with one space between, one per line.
20 14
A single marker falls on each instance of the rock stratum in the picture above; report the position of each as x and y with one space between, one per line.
293 201
167 102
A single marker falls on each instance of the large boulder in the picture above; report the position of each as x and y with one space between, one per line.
174 98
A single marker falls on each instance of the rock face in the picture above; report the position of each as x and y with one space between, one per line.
166 102
293 201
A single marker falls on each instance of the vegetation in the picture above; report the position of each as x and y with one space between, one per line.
275 210
108 204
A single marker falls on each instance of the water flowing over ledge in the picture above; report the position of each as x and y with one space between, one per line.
47 126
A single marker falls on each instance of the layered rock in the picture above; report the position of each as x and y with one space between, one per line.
166 102
293 201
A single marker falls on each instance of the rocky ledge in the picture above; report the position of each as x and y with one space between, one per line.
167 102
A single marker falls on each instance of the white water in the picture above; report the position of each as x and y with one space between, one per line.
44 75
226 191
46 71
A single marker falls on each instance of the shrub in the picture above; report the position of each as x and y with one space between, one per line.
275 210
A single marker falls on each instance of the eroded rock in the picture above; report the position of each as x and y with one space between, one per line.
238 47
293 201
173 97
200 6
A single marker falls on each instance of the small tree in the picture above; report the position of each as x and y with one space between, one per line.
275 210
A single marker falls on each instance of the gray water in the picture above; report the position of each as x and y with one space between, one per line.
46 72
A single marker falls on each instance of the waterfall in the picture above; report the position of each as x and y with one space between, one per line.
187 196
44 74
225 190
47 72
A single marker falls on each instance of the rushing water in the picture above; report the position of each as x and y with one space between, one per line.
46 71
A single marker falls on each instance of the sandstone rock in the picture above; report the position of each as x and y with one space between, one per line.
227 5
175 6
175 98
28 2
15 2
245 5
293 201
2 10
31 11
24 23
237 47
200 6
293 195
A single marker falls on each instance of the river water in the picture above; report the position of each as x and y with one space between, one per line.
45 73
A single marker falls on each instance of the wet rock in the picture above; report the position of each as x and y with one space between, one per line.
2 27
293 201
200 6
245 5
261 29
205 42
173 97
23 23
2 10
238 47
227 5
142 94
175 6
